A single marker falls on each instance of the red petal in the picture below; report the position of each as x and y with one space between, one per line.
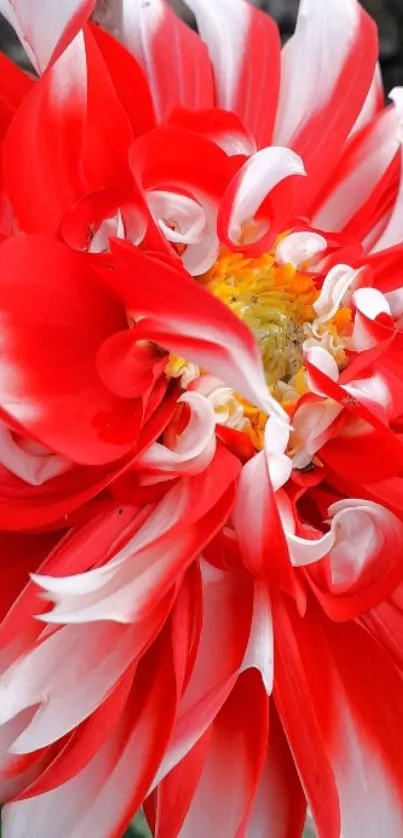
244 47
174 58
56 315
43 177
129 80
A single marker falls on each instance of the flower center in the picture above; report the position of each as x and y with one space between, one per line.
280 304
275 301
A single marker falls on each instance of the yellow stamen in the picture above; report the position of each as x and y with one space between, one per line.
275 301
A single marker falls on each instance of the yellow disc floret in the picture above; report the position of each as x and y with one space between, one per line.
275 301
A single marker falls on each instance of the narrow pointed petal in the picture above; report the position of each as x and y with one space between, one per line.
359 724
102 798
362 166
45 29
174 58
244 48
234 761
279 807
318 107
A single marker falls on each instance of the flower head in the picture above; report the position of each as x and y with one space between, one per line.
200 441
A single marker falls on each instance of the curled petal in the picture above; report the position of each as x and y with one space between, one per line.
300 248
181 218
55 314
336 289
129 368
363 566
99 216
250 188
223 127
194 448
32 463
370 304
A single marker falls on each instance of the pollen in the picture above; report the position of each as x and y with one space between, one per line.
275 301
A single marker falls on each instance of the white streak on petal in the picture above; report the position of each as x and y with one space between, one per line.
338 283
299 248
259 175
260 650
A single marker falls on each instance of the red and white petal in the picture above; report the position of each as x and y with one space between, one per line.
362 166
94 219
363 567
370 303
373 103
351 717
319 107
174 58
31 462
244 49
181 218
392 234
194 448
300 249
104 796
259 527
144 571
279 807
239 211
234 761
223 127
225 631
336 290
313 424
260 650
54 677
45 30
53 115
192 323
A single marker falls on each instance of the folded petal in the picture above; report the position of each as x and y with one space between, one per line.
194 448
248 206
55 314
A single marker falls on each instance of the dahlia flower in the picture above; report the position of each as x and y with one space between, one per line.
201 494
